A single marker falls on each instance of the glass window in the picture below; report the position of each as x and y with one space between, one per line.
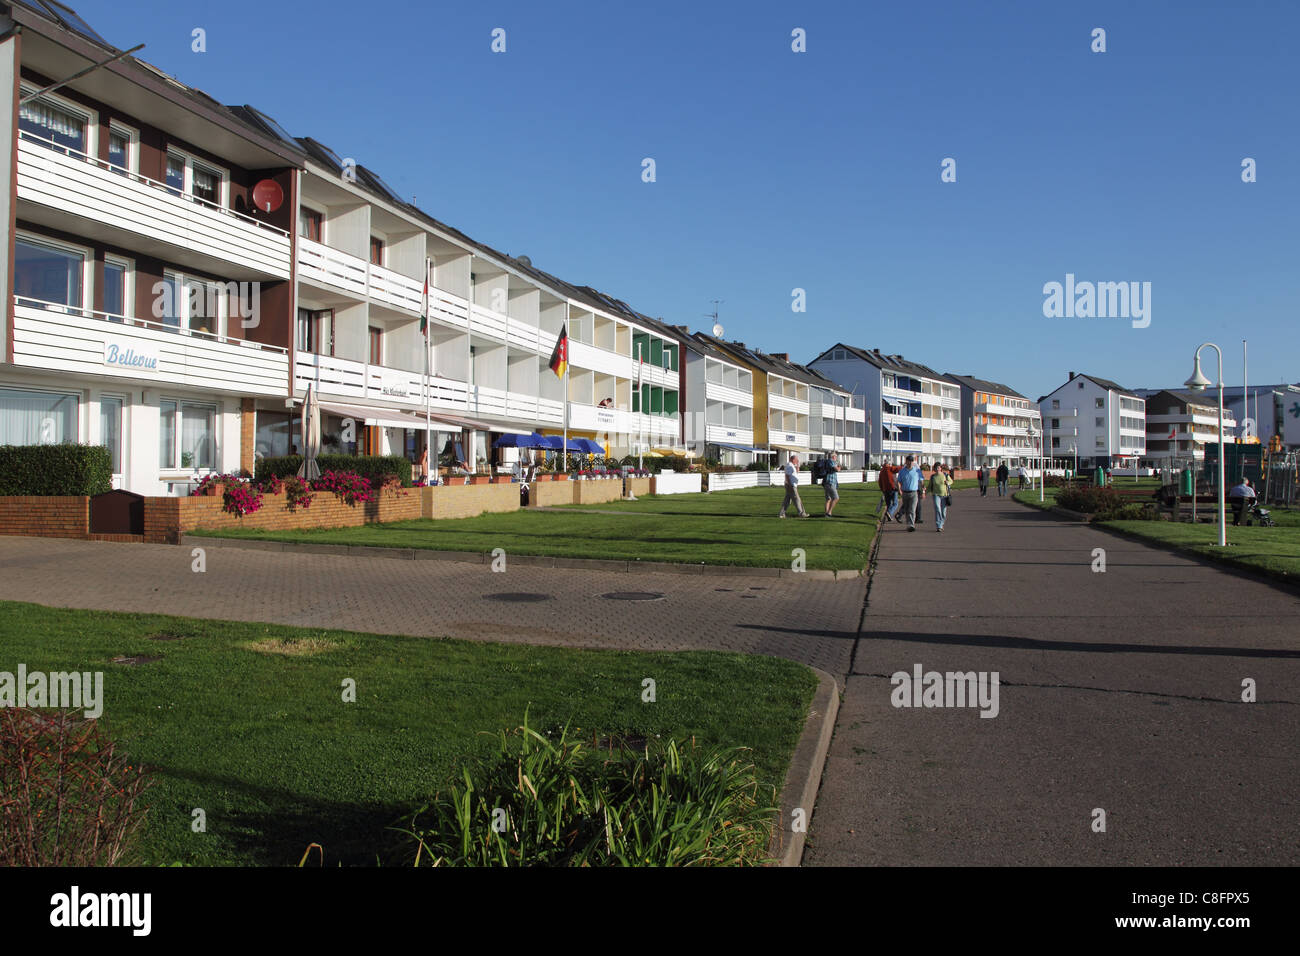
166 434
198 436
114 287
1100 402
309 224
49 122
176 173
47 273
274 433
204 306
207 185
1100 421
171 307
119 151
376 251
37 418
110 429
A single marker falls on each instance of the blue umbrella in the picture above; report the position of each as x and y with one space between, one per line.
521 441
589 446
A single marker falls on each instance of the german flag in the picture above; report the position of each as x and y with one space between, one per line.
560 355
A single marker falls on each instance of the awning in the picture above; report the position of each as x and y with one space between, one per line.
744 448
371 415
460 422
795 448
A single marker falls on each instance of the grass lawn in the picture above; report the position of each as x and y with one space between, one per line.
738 527
247 722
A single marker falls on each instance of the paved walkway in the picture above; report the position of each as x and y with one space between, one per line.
1119 690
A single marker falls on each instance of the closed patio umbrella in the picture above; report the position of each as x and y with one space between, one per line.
310 436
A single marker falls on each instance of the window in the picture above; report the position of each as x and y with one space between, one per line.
116 297
195 427
207 185
1100 421
376 251
1056 423
1101 441
37 418
122 148
1056 404
376 346
1081 384
55 125
176 173
316 331
1099 403
48 273
192 305
309 224
110 429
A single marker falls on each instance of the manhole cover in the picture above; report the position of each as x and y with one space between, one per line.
135 661
633 596
518 597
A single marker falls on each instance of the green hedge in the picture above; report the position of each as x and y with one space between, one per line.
55 470
374 467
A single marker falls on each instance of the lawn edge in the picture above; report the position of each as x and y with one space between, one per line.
473 557
1280 580
803 779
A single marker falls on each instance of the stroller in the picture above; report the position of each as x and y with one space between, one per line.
1261 515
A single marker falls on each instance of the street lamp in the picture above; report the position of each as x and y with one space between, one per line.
1033 433
1198 382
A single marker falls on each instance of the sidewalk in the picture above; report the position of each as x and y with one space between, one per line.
1118 690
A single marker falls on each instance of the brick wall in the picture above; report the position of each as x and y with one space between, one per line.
639 486
51 517
247 435
466 501
596 492
549 494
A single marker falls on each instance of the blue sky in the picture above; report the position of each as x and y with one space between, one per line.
821 170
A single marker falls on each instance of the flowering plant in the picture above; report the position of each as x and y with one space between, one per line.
393 484
240 497
347 485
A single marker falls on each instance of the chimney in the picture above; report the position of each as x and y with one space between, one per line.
783 356
1071 376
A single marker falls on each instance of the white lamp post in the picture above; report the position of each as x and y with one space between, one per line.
1198 382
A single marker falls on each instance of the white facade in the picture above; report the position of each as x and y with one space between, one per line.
719 406
1179 426
1098 421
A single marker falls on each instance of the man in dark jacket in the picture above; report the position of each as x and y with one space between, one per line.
1004 473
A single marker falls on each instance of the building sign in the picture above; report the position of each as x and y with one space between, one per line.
731 434
789 438
394 387
119 355
604 416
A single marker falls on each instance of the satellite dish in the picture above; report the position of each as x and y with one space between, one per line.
718 330
268 196
524 261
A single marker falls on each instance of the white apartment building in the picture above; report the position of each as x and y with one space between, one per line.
999 425
1094 419
719 406
148 292
911 408
1179 422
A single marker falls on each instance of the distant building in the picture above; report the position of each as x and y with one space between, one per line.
1101 422
998 424
1180 422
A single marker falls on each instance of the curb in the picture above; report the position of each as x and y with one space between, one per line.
805 774
522 560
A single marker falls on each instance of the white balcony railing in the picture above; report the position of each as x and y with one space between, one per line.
344 378
135 207
319 263
84 342
394 289
324 265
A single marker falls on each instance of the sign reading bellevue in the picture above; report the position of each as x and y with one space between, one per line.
129 357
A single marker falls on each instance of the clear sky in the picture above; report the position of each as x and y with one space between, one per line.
821 170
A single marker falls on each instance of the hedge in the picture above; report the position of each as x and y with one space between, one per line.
65 469
374 467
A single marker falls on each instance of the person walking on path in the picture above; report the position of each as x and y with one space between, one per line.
831 483
982 475
1024 478
792 487
909 483
888 482
1004 474
940 488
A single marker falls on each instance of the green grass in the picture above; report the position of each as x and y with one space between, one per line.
738 527
261 740
1273 551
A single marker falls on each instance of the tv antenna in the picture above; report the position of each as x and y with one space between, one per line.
717 326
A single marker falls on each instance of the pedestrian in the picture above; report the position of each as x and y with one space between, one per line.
831 483
1241 495
792 487
909 483
1024 477
940 488
1003 474
889 497
982 476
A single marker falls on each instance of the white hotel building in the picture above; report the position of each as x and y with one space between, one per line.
1100 422
719 406
914 410
180 272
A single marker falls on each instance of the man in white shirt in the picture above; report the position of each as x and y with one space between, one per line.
1241 494
792 487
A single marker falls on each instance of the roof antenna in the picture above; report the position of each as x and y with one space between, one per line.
718 330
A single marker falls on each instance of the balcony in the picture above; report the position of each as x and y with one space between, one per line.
324 266
620 421
729 435
787 403
714 392
343 378
82 342
80 194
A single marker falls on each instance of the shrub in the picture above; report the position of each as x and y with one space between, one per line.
1088 499
65 469
375 468
240 497
67 798
551 801
297 492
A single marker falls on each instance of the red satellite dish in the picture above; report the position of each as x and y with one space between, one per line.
268 196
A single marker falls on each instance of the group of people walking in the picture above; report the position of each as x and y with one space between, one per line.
904 487
1003 475
827 473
